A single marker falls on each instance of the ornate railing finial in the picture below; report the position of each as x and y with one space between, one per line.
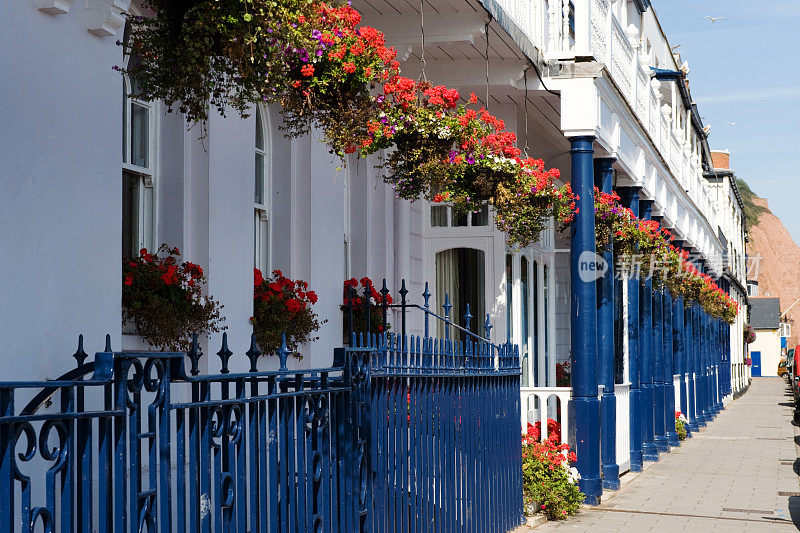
80 355
194 354
224 354
283 352
253 353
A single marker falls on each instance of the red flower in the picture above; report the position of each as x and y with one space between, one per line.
307 70
169 277
293 305
258 277
129 280
349 67
312 296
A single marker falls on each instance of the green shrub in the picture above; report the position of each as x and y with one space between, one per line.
548 482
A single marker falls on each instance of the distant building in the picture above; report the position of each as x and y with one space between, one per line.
731 232
765 317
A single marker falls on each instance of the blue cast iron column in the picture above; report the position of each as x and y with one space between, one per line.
710 369
659 387
728 367
649 450
712 397
723 373
669 328
702 396
691 352
717 366
679 325
604 180
583 263
630 199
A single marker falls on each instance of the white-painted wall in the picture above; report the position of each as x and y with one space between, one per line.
769 344
60 211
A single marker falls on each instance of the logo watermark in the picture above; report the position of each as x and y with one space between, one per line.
591 267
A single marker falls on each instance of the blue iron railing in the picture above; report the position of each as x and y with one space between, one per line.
403 433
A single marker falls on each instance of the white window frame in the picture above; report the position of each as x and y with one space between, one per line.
262 242
146 217
450 217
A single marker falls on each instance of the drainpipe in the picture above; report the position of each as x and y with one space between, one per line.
583 263
649 450
669 370
604 180
630 198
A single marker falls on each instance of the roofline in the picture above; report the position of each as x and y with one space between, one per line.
680 77
731 175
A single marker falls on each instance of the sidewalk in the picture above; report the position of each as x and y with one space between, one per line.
736 474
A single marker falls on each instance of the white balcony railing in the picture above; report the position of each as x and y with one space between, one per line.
623 394
540 403
589 28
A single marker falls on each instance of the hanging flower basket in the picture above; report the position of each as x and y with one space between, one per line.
449 152
163 299
525 205
283 306
308 56
643 249
749 334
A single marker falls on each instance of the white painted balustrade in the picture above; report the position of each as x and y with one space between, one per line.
540 403
564 30
623 393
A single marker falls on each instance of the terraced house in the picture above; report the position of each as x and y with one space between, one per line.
93 174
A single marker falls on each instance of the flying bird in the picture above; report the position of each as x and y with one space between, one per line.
733 123
715 19
673 48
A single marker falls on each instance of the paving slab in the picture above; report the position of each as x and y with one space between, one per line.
739 473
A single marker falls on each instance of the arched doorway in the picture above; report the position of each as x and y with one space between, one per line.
460 273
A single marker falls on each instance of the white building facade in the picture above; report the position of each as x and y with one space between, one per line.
92 176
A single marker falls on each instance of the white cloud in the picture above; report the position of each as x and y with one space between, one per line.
745 96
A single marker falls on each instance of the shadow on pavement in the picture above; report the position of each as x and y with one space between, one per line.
794 510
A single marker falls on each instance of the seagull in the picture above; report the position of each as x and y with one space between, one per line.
714 19
733 123
673 48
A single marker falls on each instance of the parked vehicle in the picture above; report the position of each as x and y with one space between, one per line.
790 366
782 371
795 381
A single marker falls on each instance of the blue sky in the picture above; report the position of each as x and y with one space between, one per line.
746 70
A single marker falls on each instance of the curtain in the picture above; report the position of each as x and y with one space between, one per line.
460 273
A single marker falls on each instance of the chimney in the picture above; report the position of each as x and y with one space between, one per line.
721 159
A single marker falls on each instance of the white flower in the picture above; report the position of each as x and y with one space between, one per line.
573 474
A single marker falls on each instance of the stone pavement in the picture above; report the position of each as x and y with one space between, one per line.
739 473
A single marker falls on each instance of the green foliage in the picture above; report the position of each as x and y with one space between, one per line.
306 55
548 481
752 212
680 429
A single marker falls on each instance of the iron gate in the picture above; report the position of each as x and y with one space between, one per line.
402 433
